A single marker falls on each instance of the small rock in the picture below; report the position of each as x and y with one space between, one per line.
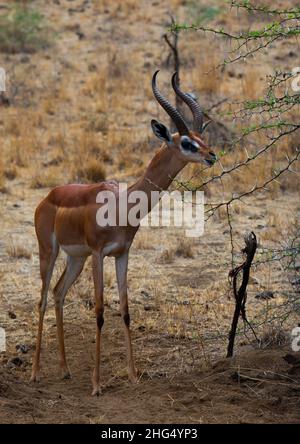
24 59
23 348
116 314
276 400
80 35
4 100
53 162
92 67
89 304
265 295
145 294
253 280
149 307
295 281
16 361
291 359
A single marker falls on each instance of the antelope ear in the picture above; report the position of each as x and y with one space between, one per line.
161 131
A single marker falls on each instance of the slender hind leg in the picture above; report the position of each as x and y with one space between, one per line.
72 271
99 310
48 255
121 272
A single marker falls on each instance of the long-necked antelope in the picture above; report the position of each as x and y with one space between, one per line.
66 219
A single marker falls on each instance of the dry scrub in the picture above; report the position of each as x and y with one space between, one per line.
80 111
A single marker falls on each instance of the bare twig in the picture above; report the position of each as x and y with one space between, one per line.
241 294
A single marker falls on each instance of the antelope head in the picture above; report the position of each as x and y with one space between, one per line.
187 145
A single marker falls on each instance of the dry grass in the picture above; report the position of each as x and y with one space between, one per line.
85 116
167 256
17 250
202 79
253 84
184 248
144 240
80 111
2 176
274 337
92 171
11 172
48 179
21 30
109 276
89 116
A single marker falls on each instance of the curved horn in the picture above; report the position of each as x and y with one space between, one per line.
170 109
192 104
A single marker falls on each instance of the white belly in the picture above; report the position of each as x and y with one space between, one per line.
84 250
76 250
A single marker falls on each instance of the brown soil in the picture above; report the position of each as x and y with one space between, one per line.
254 388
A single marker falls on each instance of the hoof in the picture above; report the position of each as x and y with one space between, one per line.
97 391
34 378
65 374
133 377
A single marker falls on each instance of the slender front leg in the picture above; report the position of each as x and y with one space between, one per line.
99 309
121 272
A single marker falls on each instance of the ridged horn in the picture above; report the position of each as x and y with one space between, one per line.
192 104
170 109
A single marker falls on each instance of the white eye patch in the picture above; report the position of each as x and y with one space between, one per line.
189 145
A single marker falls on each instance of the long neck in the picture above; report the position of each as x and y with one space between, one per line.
160 173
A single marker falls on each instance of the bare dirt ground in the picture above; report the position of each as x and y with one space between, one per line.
255 388
178 383
179 301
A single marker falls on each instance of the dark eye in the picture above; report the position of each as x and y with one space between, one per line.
186 145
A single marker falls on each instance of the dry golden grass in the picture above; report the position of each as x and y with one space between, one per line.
185 248
92 171
109 277
274 337
81 111
11 172
17 250
167 256
47 179
2 176
203 79
253 84
49 106
87 118
89 144
92 119
144 240
118 8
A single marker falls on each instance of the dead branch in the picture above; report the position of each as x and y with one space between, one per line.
241 294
